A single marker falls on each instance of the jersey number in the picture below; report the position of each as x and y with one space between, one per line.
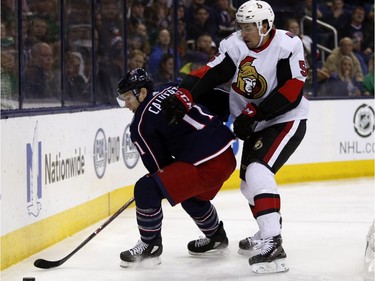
303 67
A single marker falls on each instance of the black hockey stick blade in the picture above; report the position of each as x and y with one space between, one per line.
45 264
42 263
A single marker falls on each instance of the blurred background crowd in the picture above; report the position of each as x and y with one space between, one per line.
59 53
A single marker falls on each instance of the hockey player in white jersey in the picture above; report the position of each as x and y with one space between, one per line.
266 70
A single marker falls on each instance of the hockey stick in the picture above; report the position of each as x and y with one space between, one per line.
42 263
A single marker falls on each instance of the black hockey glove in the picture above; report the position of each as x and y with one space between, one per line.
177 105
243 125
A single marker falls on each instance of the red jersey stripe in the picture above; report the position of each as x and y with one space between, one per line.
291 89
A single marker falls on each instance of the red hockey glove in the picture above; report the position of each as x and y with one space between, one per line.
243 125
177 105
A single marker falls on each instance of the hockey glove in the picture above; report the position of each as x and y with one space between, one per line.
177 105
243 125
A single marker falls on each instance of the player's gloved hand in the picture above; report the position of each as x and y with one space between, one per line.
243 125
177 105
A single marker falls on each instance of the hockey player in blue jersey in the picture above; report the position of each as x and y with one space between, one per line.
187 162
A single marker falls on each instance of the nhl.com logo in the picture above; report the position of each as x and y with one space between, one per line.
363 121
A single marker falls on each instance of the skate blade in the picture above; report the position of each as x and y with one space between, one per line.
151 262
212 253
276 266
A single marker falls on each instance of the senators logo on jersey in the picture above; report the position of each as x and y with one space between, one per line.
250 83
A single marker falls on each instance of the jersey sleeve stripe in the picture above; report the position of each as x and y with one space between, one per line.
291 89
200 72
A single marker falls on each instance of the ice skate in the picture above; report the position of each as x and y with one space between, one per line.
210 245
141 253
271 258
250 246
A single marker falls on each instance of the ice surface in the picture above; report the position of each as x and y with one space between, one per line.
324 232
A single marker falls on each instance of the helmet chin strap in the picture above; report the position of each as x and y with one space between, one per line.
262 35
136 93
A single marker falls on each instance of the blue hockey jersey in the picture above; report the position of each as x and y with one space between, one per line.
197 138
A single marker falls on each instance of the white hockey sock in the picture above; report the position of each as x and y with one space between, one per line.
269 225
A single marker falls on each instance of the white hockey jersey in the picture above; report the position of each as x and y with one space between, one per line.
271 76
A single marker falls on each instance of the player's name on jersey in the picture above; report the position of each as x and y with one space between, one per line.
155 106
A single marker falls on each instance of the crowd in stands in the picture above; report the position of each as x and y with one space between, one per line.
148 32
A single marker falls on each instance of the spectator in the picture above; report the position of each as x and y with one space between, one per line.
368 82
359 54
156 18
39 79
141 31
342 82
368 44
79 36
201 51
167 22
8 62
201 24
198 56
162 46
292 25
192 9
204 44
98 20
48 10
25 50
75 82
337 16
165 72
137 14
111 25
111 15
110 71
356 28
78 12
6 39
38 32
359 30
181 28
138 42
9 75
9 11
331 65
136 59
224 15
305 8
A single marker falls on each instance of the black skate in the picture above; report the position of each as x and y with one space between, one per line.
215 244
142 251
271 257
250 246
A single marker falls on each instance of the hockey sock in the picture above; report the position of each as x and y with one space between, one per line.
149 223
204 215
149 212
266 212
269 225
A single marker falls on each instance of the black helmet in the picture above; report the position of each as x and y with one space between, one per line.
134 80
